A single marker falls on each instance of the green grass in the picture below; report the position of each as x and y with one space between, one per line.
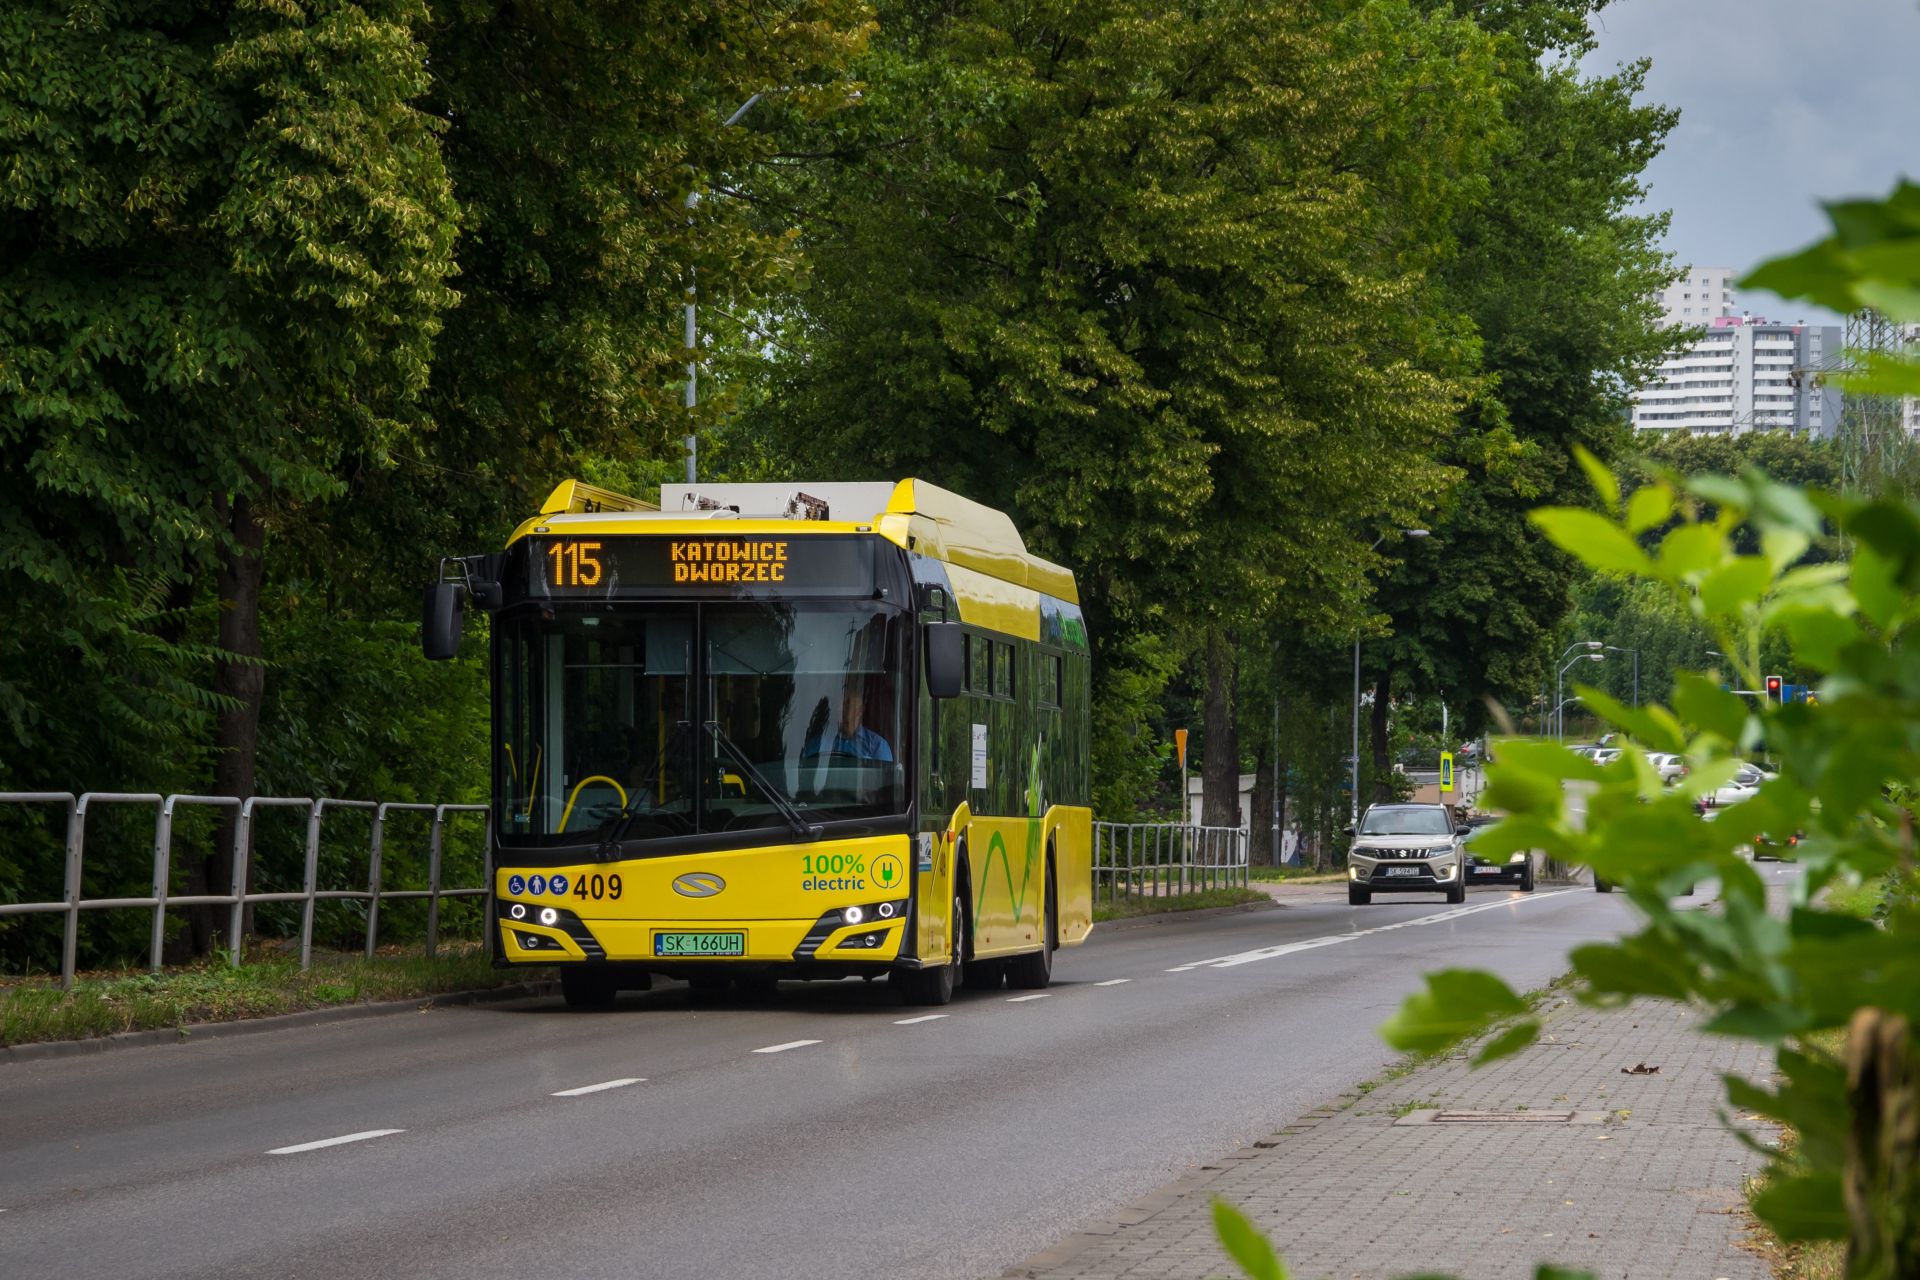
35 1009
1127 908
1301 875
1861 900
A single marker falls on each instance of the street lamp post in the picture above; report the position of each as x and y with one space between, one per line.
1636 669
1354 776
692 327
1554 702
1560 715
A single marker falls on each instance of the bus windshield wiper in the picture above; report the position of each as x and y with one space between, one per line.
794 817
614 829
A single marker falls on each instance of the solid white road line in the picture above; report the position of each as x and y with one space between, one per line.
925 1017
782 1048
1286 949
1112 982
604 1084
332 1142
1038 995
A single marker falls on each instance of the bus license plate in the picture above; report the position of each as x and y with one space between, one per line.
1403 871
699 944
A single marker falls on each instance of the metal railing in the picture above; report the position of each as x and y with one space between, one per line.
160 900
1159 859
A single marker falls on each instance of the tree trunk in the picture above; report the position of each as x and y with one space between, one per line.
1220 767
243 679
1382 767
1882 1187
1262 849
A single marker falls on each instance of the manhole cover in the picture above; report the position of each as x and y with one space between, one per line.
1435 1117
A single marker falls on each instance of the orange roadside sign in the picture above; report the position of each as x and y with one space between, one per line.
1180 744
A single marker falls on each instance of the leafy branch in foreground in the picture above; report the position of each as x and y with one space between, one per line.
1847 762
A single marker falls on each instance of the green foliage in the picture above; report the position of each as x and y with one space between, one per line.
1872 260
1555 269
1152 280
1457 1003
1845 768
1250 1250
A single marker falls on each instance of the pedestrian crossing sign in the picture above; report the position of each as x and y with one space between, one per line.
1446 771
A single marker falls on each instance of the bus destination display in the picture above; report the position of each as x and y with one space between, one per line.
615 566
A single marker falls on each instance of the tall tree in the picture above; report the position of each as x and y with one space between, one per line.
1557 270
222 266
1147 277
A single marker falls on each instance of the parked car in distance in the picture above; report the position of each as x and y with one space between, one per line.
1669 766
1765 846
1604 755
1406 848
1517 869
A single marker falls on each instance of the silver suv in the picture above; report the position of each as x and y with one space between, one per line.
1402 848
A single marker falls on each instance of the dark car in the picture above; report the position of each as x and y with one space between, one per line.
1516 869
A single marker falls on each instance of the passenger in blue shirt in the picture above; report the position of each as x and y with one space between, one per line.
850 737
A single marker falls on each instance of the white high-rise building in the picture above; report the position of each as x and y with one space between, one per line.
1703 295
1741 373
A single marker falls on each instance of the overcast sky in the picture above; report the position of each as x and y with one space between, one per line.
1783 104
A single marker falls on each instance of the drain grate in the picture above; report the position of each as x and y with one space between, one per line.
1435 1117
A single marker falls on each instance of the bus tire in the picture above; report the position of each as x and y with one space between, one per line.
584 988
1033 971
934 986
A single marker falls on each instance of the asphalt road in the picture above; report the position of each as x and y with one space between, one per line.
824 1132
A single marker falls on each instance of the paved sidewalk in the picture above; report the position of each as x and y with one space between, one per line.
1648 1184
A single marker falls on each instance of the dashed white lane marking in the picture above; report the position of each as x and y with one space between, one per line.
333 1142
782 1048
601 1087
925 1017
1038 995
1287 949
1112 982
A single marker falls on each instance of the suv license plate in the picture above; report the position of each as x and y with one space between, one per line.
1403 871
699 944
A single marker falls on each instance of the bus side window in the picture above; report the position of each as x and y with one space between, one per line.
1002 670
1049 679
979 656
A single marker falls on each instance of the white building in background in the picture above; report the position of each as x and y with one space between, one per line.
1742 373
1703 295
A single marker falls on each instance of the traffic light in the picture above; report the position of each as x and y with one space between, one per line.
1774 689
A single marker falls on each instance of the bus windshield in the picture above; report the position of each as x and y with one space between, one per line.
650 721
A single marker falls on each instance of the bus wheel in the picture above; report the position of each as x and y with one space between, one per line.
1033 972
587 988
933 986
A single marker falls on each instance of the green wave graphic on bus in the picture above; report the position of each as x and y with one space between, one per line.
997 845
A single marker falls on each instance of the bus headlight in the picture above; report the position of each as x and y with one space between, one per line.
549 917
854 915
518 911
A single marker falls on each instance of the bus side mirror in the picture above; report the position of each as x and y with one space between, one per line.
440 618
946 658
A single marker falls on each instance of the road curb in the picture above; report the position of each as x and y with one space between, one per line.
43 1050
1173 917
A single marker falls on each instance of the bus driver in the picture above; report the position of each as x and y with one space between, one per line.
850 737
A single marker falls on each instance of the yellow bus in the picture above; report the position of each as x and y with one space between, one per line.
766 731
